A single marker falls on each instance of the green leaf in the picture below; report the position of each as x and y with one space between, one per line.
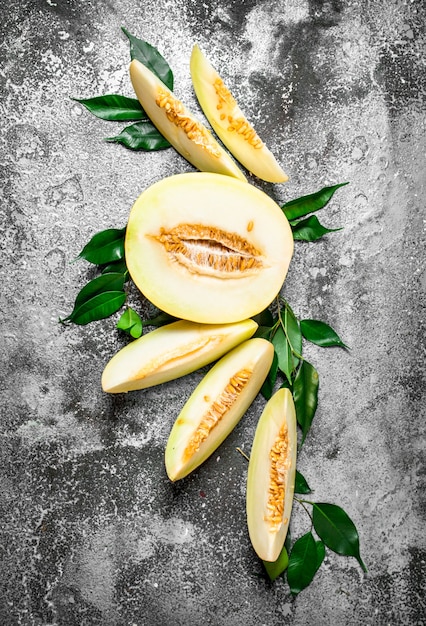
288 343
105 247
264 318
141 136
268 385
118 267
151 58
98 307
106 282
310 203
100 298
337 530
320 334
283 352
302 563
305 395
131 323
276 568
310 229
114 107
264 332
320 553
301 484
292 330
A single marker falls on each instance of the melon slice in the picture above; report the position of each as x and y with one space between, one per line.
271 476
217 405
178 125
229 123
170 352
208 248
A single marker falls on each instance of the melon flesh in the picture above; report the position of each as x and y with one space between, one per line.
208 248
229 123
178 125
270 472
217 405
171 351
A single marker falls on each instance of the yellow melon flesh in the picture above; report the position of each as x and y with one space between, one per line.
208 248
271 476
178 125
216 406
229 122
170 352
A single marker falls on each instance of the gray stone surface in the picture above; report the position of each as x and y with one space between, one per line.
92 531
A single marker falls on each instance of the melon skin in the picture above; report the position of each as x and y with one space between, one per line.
170 352
178 125
230 123
227 206
212 407
268 540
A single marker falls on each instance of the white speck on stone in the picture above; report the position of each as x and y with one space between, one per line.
89 48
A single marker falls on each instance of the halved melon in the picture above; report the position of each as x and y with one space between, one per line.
217 405
170 352
229 122
271 476
208 248
178 125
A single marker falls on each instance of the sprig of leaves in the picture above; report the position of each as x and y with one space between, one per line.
100 298
105 294
142 135
333 529
287 333
310 228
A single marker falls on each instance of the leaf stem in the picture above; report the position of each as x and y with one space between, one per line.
302 503
243 453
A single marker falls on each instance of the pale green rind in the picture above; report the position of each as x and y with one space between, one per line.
147 87
279 408
259 161
170 352
254 354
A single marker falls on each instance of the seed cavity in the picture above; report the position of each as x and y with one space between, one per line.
217 411
280 462
175 112
238 124
211 251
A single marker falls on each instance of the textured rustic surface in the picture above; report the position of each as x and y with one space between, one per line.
92 531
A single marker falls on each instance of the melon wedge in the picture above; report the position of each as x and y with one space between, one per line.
178 125
217 405
208 248
271 476
229 122
171 351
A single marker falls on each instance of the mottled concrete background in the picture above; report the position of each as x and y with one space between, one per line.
92 532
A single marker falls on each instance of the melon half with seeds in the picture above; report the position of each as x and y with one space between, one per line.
271 476
178 125
208 248
217 405
229 122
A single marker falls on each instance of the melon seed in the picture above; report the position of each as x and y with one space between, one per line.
210 251
239 124
175 112
217 410
280 463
